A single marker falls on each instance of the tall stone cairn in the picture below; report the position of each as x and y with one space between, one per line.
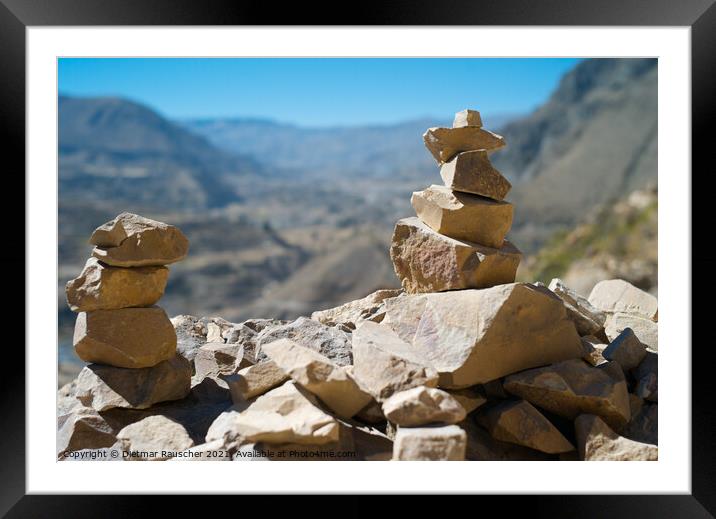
458 239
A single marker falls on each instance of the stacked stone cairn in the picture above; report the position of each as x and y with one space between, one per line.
461 364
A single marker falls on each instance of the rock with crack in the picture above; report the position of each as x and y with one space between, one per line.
573 387
463 216
446 443
517 421
131 240
255 380
588 319
467 118
351 314
596 441
384 364
217 358
626 349
154 438
647 377
445 143
83 428
317 374
247 332
286 414
646 330
101 287
104 387
329 341
422 406
426 261
619 296
125 338
472 172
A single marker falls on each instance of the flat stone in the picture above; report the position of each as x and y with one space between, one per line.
626 350
647 377
131 240
83 428
596 441
402 314
125 338
646 330
154 438
617 295
467 118
445 143
426 261
469 398
104 387
101 287
472 172
588 319
217 358
255 380
463 216
573 387
286 414
475 336
519 422
316 373
351 314
421 406
445 443
384 364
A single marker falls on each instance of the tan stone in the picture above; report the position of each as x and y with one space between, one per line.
286 414
445 143
475 336
469 398
573 387
125 338
445 443
472 172
101 287
316 373
154 438
463 216
402 314
426 261
588 319
596 441
83 428
483 447
131 240
617 295
626 350
646 330
104 387
422 406
467 118
351 314
593 350
217 358
255 380
519 422
384 364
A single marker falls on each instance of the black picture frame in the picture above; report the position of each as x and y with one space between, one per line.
700 15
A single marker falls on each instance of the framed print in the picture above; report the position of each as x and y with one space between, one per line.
418 235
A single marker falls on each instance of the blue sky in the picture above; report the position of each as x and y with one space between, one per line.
318 91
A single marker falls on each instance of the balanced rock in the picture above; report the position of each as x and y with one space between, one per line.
617 295
125 338
421 406
316 373
475 336
463 216
101 287
626 350
131 240
384 364
255 380
472 172
519 422
445 443
426 261
156 437
104 387
83 428
596 441
217 358
588 319
467 118
445 143
351 314
286 414
573 387
646 330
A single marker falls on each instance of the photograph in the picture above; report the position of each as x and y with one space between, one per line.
357 259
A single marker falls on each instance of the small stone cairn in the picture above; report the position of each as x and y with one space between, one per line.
458 240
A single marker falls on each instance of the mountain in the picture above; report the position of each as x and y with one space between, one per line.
126 155
594 140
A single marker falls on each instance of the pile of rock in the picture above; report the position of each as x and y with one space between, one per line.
458 240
